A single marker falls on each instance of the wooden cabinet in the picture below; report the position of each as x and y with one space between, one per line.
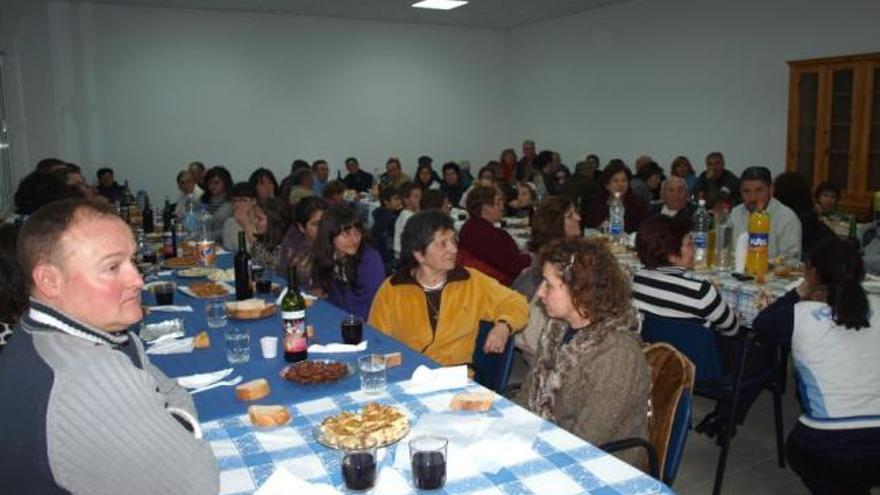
834 125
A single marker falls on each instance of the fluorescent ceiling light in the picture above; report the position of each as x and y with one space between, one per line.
439 4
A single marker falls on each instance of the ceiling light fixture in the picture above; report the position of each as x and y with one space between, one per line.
439 4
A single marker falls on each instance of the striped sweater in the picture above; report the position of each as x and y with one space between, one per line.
667 292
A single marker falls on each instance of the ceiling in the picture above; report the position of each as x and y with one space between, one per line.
493 14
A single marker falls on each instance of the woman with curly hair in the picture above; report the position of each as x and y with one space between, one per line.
590 376
346 269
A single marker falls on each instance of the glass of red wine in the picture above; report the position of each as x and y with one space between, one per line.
164 293
427 456
358 462
262 278
352 330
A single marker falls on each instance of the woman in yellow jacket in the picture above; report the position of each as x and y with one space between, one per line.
434 305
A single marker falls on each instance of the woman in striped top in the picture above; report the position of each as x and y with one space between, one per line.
662 288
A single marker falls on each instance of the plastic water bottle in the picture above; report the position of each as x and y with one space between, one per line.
700 237
615 218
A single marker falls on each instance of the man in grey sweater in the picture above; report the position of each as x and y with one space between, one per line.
83 410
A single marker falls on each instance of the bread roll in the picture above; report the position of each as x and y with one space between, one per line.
202 341
253 390
267 416
472 401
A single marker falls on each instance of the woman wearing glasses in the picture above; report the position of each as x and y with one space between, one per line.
345 270
590 376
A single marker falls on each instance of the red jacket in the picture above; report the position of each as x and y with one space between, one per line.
493 246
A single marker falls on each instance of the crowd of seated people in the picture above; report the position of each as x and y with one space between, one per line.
426 274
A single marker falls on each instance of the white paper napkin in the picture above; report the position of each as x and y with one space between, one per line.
334 348
171 308
426 380
283 483
391 482
475 440
165 273
172 346
200 380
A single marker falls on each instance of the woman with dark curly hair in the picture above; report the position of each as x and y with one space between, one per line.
346 269
590 376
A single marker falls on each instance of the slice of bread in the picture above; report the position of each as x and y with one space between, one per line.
393 359
472 401
267 416
250 309
202 341
253 390
252 303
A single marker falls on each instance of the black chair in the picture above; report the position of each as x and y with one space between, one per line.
491 370
699 344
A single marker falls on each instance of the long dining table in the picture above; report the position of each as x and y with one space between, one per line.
554 461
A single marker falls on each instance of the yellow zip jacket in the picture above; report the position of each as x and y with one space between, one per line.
400 310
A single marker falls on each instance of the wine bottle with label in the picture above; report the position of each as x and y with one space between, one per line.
242 268
293 318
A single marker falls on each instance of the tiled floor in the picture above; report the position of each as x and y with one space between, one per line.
751 466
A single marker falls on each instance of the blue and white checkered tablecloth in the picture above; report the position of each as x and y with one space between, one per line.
559 462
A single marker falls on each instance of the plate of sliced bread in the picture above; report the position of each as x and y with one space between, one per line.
250 309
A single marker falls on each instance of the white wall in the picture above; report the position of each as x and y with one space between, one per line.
146 90
676 76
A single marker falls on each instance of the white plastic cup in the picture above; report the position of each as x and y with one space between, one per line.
269 345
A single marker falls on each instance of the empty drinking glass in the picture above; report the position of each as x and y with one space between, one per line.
238 345
215 313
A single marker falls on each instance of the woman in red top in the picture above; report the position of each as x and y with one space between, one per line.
615 178
480 238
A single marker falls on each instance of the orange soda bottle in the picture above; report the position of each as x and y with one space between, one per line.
759 246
